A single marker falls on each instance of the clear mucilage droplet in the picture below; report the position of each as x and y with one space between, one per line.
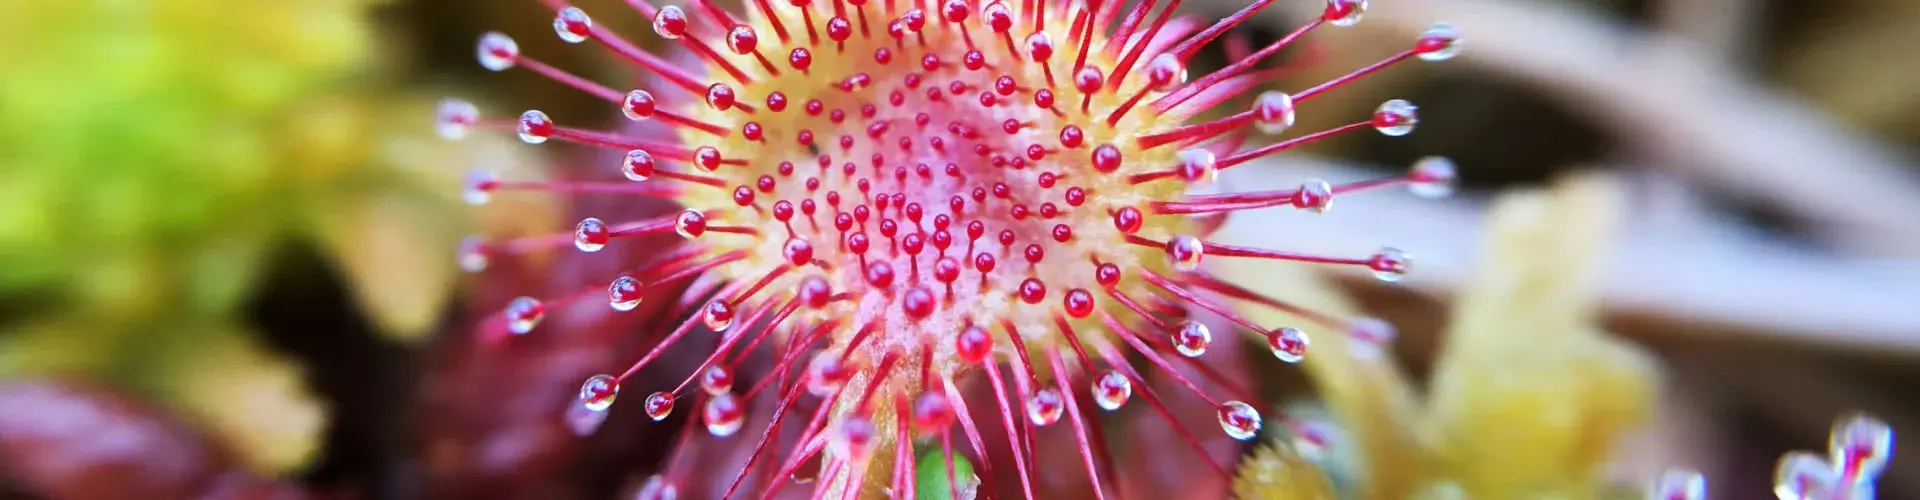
1344 13
1044 406
723 414
591 235
638 166
497 51
1239 420
932 412
717 315
638 105
598 392
535 127
1432 177
524 313
1289 344
1860 446
478 187
1184 252
1314 195
716 380
623 294
1197 166
855 436
572 25
670 22
659 405
1192 339
691 224
474 256
1166 72
1273 112
826 374
1805 476
1438 43
1390 264
454 117
1395 118
1112 390
1314 438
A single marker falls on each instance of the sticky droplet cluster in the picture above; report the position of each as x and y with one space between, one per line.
895 198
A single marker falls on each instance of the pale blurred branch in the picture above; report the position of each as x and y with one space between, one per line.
1724 29
1682 109
1707 271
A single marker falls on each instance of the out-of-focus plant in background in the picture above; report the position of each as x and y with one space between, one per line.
157 155
1529 396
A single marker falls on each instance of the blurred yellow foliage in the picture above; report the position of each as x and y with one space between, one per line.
1276 471
1528 393
252 400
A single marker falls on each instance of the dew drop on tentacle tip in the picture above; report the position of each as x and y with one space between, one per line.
716 380
1439 43
1860 445
572 25
1344 13
1192 339
856 435
1184 252
591 235
1045 406
659 405
598 392
723 414
1390 264
454 118
535 127
1273 112
1314 195
498 52
1289 344
896 201
1395 118
1112 390
624 293
480 185
1239 420
1432 177
473 254
638 165
638 105
932 412
524 313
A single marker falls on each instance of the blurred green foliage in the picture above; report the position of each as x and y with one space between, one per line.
933 481
155 154
144 142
